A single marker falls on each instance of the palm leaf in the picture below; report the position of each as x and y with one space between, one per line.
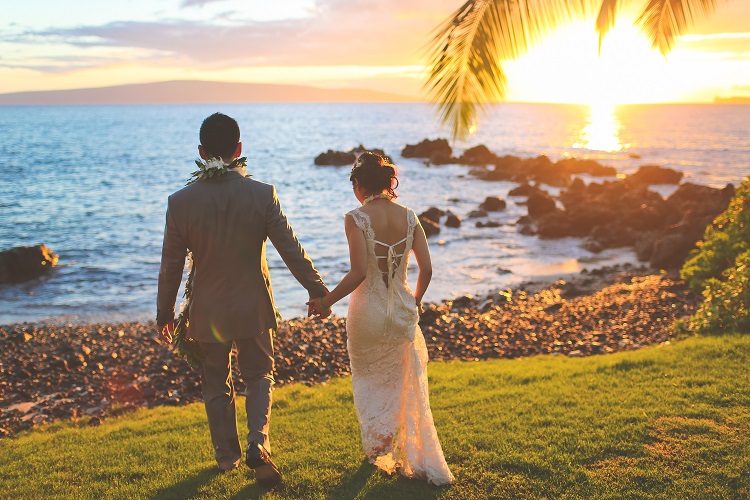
465 74
605 21
665 20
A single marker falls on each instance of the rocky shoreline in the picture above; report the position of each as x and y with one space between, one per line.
88 372
619 211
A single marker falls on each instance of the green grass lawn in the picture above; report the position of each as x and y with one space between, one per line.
663 422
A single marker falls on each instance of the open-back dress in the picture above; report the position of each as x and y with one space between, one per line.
389 363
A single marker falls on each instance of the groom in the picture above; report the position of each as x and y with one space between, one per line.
225 221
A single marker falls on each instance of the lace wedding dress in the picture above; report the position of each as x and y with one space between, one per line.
389 363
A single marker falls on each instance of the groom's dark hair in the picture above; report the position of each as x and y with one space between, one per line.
220 135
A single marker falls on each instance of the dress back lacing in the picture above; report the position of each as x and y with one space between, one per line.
393 273
393 261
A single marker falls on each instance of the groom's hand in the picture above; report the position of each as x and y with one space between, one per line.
165 333
314 309
310 308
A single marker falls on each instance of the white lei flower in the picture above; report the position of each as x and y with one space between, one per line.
214 167
215 163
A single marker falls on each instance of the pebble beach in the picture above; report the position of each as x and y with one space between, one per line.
90 372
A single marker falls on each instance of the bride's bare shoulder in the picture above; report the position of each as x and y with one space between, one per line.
389 210
405 209
399 207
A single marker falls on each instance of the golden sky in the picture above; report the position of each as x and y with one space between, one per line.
376 44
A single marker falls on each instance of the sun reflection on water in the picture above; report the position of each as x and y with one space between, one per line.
601 133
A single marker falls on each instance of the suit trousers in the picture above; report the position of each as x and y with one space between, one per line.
255 360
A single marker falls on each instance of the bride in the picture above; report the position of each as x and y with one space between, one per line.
386 347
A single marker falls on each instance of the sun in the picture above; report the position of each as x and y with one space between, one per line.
568 68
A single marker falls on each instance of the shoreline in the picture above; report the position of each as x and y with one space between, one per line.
527 281
94 371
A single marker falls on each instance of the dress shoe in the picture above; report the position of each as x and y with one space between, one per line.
258 458
227 465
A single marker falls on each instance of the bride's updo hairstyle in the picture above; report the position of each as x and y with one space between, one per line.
375 173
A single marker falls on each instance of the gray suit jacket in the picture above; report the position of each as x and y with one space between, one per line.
225 222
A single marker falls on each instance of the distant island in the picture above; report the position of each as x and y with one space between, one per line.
198 92
732 100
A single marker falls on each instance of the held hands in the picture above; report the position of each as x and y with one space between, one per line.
316 308
165 334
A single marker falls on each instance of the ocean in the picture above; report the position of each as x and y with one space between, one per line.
91 182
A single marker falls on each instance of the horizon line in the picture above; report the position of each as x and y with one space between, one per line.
403 98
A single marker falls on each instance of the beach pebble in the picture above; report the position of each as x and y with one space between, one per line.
623 303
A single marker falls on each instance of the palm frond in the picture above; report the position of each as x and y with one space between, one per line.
605 21
465 57
665 20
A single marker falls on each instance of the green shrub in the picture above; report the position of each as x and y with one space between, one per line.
724 240
719 269
726 304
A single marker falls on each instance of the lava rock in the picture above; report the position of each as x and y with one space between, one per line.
453 220
539 204
649 217
428 148
654 174
701 199
541 169
673 245
585 166
340 158
335 158
525 189
493 204
489 223
504 170
433 213
555 224
430 228
475 214
25 263
478 155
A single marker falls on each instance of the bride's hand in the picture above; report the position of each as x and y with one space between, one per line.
420 308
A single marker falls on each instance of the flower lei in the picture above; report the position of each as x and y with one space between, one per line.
214 167
187 347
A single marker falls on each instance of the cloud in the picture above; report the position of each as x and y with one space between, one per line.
198 3
340 32
61 64
733 45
